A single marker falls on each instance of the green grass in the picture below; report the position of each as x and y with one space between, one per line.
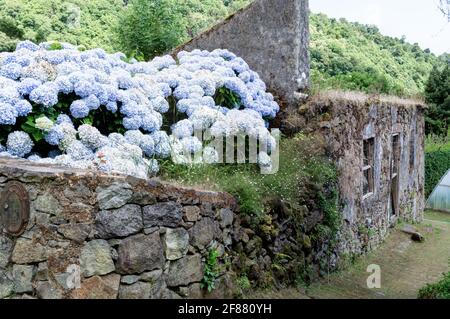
301 163
438 216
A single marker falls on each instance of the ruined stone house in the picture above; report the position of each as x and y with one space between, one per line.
377 143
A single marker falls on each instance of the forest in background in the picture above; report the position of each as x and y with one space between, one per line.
344 55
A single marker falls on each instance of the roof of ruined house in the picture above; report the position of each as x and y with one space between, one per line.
360 98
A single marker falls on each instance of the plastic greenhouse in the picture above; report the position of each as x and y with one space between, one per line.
440 197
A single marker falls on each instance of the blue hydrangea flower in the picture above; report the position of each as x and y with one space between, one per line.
83 88
132 123
166 89
67 68
54 135
264 160
210 155
64 84
112 106
54 57
191 144
91 137
147 145
124 81
101 94
79 109
27 45
12 71
134 137
122 96
46 94
130 109
163 150
183 128
19 144
9 95
163 62
188 92
8 114
150 123
140 90
116 139
111 91
63 118
24 61
206 83
34 158
160 105
153 167
92 102
23 108
27 85
78 151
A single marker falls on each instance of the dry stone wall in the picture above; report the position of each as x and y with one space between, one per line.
129 238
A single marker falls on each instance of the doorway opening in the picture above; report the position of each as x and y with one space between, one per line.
395 178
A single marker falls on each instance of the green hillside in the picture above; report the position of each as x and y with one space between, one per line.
95 23
76 21
343 55
358 57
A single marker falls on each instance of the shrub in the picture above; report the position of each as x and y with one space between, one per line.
440 290
437 161
90 109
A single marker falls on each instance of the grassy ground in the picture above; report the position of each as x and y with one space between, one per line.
406 266
301 163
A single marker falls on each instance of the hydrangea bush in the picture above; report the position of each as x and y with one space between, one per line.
89 109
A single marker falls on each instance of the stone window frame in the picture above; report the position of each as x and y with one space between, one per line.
396 153
368 166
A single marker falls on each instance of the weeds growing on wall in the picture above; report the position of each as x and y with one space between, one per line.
211 271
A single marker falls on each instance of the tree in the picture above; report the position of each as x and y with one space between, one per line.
437 95
149 28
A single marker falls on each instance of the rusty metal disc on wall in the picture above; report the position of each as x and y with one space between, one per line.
14 208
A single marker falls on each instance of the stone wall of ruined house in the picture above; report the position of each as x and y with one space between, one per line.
344 121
